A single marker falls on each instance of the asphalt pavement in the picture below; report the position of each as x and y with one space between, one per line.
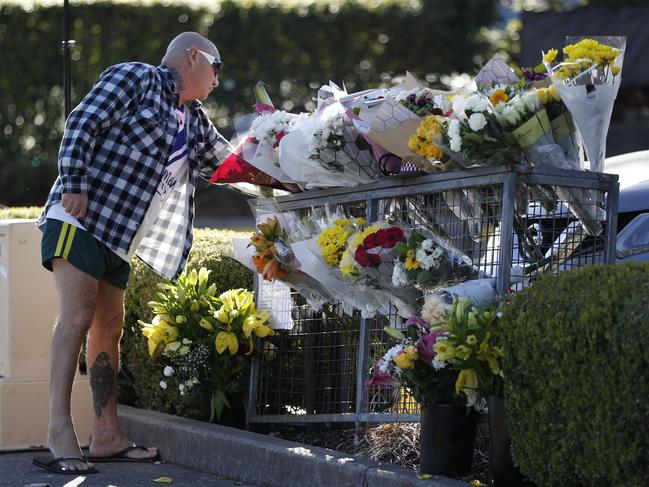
17 470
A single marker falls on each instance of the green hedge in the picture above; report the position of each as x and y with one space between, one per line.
20 212
212 249
294 49
577 377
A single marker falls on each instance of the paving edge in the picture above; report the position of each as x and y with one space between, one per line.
261 459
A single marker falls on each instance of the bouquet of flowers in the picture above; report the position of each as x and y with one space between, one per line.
588 80
469 346
413 364
527 121
201 338
274 259
428 263
564 131
320 253
326 150
474 137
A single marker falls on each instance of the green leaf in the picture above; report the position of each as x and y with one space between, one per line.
164 480
394 333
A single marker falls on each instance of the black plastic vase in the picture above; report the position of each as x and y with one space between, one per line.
446 439
502 471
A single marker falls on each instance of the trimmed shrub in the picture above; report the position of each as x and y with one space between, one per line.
577 377
212 249
20 212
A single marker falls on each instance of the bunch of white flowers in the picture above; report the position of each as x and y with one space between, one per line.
267 125
454 135
321 127
518 109
399 276
428 255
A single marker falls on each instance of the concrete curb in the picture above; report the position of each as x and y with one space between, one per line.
261 459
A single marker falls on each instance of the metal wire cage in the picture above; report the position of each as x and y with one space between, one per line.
516 224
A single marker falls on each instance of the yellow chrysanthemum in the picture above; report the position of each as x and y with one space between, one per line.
550 56
411 262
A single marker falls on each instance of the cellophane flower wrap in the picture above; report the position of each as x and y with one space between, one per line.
412 364
261 145
475 137
470 347
369 260
588 80
325 150
274 259
527 121
327 247
564 130
202 338
428 263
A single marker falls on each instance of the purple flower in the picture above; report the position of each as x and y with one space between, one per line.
379 379
529 75
540 76
416 320
426 346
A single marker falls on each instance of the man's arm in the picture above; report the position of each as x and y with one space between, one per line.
106 103
216 149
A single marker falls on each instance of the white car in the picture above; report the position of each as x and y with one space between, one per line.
633 211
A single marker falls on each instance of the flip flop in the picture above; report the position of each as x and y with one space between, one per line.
52 464
122 456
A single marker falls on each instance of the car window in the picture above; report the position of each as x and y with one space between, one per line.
634 239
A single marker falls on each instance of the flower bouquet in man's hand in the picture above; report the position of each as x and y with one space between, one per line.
202 339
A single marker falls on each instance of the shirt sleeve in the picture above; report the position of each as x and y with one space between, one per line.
106 103
216 148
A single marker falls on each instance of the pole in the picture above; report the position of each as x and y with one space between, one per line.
66 46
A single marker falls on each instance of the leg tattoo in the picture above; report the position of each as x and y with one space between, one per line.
101 382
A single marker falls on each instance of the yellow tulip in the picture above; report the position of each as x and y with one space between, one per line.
195 306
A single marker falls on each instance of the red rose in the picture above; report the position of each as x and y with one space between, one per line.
371 240
365 259
278 137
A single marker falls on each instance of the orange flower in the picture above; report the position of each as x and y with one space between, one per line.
498 96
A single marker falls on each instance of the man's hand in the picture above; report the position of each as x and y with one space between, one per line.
75 204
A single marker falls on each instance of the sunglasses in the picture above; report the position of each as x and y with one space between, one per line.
213 60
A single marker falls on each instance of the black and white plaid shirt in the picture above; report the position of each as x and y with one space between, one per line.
115 147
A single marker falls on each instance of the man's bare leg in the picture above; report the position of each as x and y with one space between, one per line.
77 296
103 363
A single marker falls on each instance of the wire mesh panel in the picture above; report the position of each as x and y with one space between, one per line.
514 225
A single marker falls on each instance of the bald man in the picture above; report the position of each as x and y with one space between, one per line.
128 163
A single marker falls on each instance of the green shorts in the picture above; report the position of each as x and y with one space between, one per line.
83 251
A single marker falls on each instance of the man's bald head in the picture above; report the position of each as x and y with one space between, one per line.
194 62
181 43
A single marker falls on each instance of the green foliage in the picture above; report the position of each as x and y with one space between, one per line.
20 212
294 49
577 377
212 249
